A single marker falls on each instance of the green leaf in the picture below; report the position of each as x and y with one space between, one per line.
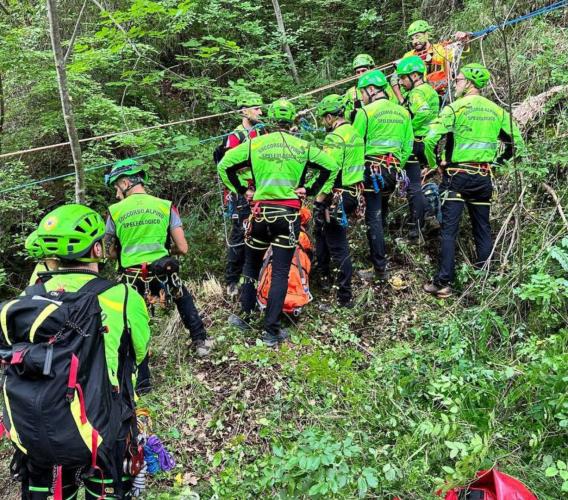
362 487
551 472
565 486
560 465
448 470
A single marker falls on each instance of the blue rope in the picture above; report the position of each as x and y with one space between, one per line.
511 22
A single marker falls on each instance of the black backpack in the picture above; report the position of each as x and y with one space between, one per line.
60 406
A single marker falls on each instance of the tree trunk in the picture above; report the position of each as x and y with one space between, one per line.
2 112
285 46
66 101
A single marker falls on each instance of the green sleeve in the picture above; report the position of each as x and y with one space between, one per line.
419 109
138 322
438 128
407 144
322 161
360 124
234 159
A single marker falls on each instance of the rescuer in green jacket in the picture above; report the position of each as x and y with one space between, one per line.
142 232
423 104
474 127
387 132
278 161
361 64
347 148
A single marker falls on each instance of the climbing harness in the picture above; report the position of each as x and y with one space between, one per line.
165 272
377 165
270 214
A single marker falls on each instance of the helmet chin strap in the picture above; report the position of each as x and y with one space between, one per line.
127 190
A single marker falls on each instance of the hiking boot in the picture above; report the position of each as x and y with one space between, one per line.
382 275
325 283
378 274
366 274
203 347
239 323
440 291
270 339
283 335
232 290
346 304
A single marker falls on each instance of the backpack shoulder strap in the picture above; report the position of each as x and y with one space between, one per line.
37 289
97 286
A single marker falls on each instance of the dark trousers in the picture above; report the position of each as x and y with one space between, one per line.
189 316
264 234
332 247
375 217
474 191
40 484
236 250
416 200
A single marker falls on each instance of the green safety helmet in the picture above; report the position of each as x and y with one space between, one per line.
333 104
376 78
477 74
411 64
363 60
125 168
249 100
282 111
69 232
33 246
419 26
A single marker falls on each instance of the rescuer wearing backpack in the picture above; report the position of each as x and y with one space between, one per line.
346 147
386 130
237 205
142 232
473 127
73 341
278 162
423 104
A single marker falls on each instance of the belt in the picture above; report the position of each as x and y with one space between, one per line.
471 168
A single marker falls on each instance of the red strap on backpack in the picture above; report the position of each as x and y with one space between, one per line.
72 382
58 490
94 466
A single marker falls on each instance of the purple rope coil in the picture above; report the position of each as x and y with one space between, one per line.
157 457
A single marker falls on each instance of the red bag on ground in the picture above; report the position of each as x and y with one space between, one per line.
492 485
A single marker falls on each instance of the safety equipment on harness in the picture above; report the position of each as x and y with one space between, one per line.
33 246
69 232
419 26
376 165
477 74
403 182
126 168
60 407
409 65
332 104
249 100
282 111
363 61
375 78
432 194
166 272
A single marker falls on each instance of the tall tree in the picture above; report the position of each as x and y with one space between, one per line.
285 45
66 101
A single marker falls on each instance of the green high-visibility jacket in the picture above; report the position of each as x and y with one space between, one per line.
142 228
386 128
423 103
475 126
243 134
354 94
346 147
112 304
278 162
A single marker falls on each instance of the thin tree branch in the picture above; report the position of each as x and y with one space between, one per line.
75 33
554 196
